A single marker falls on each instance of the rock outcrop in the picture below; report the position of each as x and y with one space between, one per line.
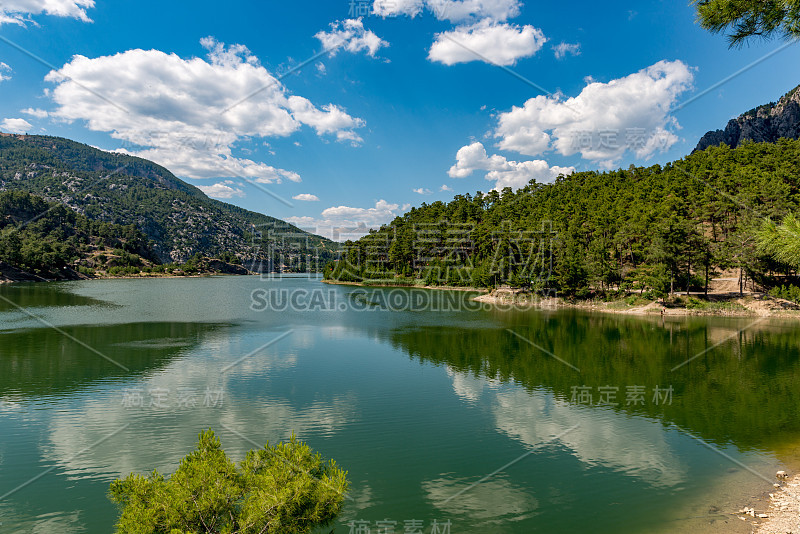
765 124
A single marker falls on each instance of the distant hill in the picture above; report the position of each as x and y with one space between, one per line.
764 124
178 220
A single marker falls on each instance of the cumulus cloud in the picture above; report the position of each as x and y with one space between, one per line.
5 72
188 114
393 8
381 213
306 197
221 190
562 49
489 41
604 120
459 10
36 113
422 191
345 222
452 10
505 173
445 187
330 119
18 126
351 35
19 11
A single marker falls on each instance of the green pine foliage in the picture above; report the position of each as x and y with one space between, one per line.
286 488
788 292
653 229
49 240
781 241
747 19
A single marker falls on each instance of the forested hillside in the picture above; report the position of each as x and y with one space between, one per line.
40 240
178 219
645 228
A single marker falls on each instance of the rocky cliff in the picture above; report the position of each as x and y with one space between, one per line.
764 124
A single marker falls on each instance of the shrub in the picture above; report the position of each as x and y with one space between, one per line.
281 489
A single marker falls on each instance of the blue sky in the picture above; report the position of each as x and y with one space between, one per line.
407 101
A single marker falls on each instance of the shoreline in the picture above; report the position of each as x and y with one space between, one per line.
774 511
142 276
439 288
783 514
749 305
718 305
126 277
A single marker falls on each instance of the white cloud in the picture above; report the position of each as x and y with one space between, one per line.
381 213
604 120
18 126
459 10
342 222
221 190
488 41
351 35
445 187
422 191
393 8
505 173
306 197
188 114
473 157
452 10
19 11
330 119
37 113
189 158
5 72
562 49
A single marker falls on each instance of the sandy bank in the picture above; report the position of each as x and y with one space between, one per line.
732 305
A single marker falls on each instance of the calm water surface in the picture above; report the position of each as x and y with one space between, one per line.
441 410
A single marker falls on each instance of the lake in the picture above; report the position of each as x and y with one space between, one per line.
446 414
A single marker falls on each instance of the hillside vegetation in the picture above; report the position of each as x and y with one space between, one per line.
650 229
178 219
51 241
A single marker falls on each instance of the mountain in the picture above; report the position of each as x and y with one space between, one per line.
178 219
764 124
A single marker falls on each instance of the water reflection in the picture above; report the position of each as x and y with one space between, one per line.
48 362
495 501
634 445
32 296
194 393
716 396
417 406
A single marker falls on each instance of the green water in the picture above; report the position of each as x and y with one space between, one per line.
424 397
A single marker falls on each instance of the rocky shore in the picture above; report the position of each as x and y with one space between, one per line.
781 512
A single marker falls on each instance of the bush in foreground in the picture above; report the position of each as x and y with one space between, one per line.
280 489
